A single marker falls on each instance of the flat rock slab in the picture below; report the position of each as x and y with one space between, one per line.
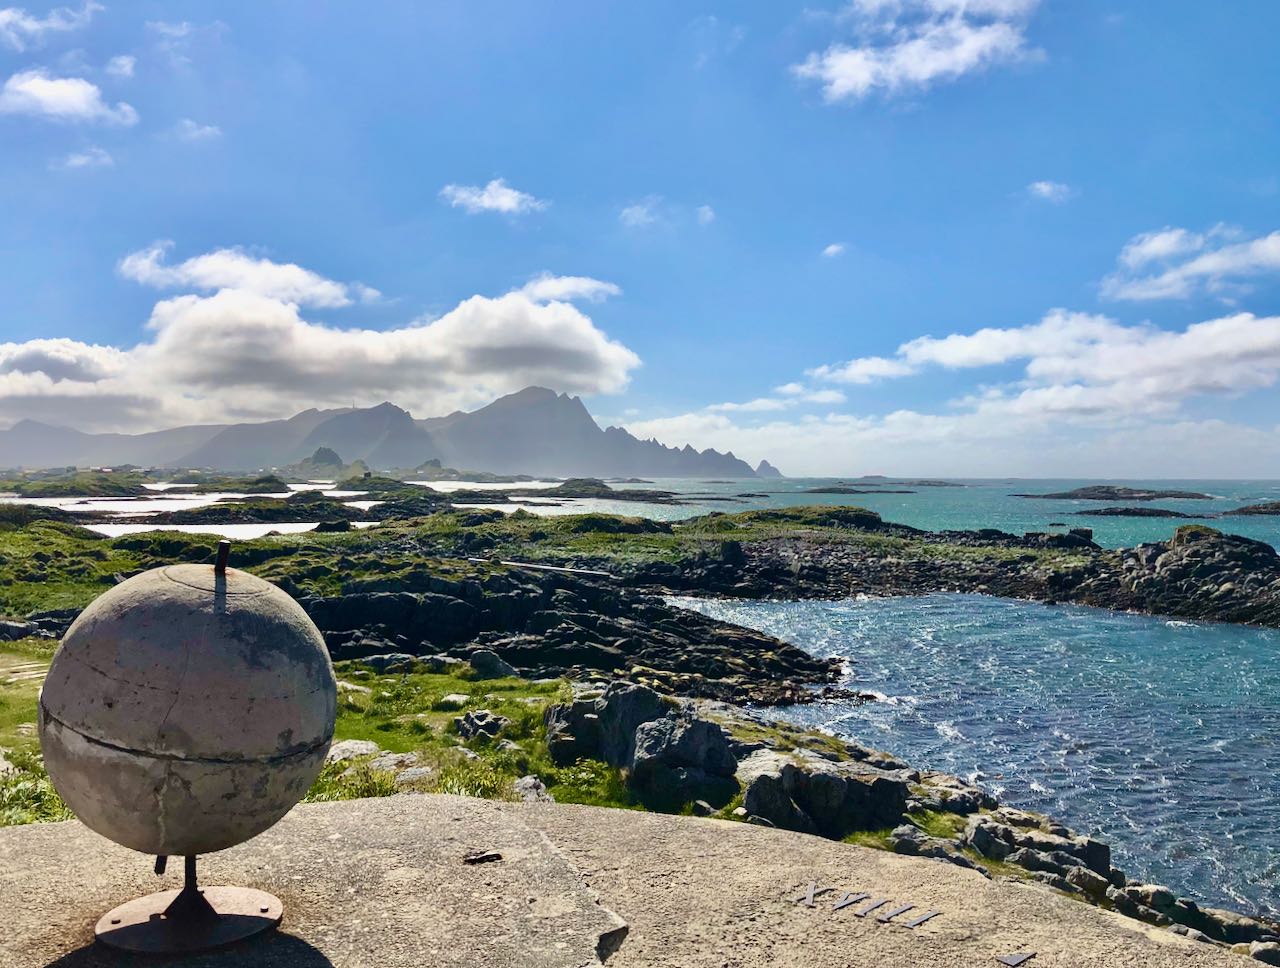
382 883
715 894
376 883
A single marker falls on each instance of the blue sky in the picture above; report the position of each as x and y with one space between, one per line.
962 236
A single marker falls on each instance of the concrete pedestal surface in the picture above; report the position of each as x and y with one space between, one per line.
383 883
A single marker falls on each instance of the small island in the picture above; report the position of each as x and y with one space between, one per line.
1136 513
1108 492
844 489
1267 507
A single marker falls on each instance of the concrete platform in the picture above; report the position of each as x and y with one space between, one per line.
382 883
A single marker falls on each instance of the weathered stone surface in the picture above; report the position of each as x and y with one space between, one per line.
477 721
803 791
532 790
621 710
350 749
186 711
365 884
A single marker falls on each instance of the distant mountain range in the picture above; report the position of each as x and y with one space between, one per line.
535 431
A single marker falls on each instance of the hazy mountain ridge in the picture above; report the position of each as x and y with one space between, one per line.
535 431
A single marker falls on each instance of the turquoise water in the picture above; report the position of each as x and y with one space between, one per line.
1161 737
983 503
987 504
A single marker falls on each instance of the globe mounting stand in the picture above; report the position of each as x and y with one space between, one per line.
190 920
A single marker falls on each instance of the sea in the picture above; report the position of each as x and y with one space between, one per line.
1161 737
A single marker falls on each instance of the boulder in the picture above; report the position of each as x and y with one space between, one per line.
1268 952
1095 885
573 731
13 629
680 756
803 791
489 666
415 774
532 790
391 662
350 749
621 709
478 722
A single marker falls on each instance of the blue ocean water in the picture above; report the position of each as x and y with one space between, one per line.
1161 737
982 504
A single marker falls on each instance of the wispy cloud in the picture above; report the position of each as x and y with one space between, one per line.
1175 263
910 45
188 130
496 196
122 65
833 250
705 214
548 288
21 30
1049 191
91 157
35 93
640 214
236 269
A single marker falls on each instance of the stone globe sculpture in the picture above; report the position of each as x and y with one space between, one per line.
186 710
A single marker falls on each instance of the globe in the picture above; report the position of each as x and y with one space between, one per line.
187 710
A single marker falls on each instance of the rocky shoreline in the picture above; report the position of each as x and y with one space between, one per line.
1199 573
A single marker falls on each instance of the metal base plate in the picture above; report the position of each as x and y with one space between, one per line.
142 926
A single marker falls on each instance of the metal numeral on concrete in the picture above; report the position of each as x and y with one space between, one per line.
922 919
849 898
814 890
886 918
881 902
1016 959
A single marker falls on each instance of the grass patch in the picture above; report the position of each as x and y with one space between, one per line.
939 823
875 839
26 794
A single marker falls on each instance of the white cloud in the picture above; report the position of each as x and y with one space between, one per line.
496 196
833 250
640 214
20 29
36 94
867 369
549 288
910 45
911 443
759 405
242 354
236 269
705 214
1049 191
1174 263
188 130
1092 396
91 157
122 65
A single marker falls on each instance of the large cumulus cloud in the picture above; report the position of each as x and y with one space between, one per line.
243 349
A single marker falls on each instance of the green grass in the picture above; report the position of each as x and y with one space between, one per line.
937 823
875 839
